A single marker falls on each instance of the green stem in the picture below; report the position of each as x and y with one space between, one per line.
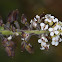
7 32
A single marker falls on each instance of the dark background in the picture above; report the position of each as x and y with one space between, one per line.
31 8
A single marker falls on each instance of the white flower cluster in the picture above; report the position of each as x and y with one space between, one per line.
53 25
34 21
49 18
43 42
55 30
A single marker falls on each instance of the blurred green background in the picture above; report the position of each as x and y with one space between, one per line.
31 8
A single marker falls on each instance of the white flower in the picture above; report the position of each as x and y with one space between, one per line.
39 40
52 17
43 43
53 30
52 34
60 40
34 24
10 37
49 21
22 38
56 40
31 21
16 34
58 26
49 18
56 32
42 48
46 19
47 15
44 39
50 29
46 27
53 39
35 19
56 19
42 26
37 16
55 43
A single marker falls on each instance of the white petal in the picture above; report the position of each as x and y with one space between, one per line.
47 15
46 27
42 48
55 28
22 38
42 24
46 19
52 34
56 43
53 39
50 29
34 24
39 41
43 43
43 38
35 19
56 19
60 40
49 21
53 42
58 36
46 40
56 32
42 28
31 21
52 17
10 37
37 16
16 34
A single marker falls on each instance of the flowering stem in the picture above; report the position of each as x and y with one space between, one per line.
7 32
